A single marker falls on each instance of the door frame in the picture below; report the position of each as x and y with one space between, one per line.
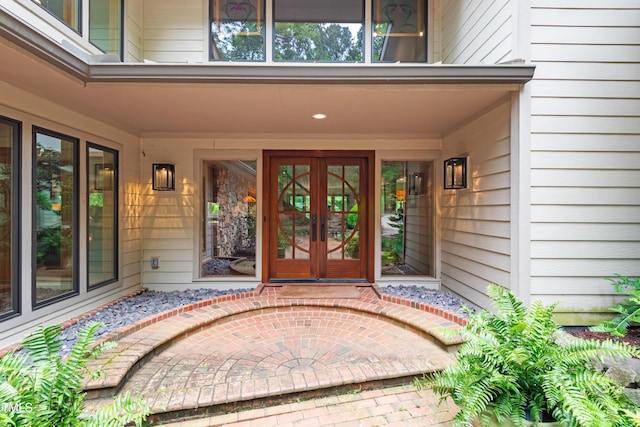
368 217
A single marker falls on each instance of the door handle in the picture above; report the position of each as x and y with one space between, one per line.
314 224
323 220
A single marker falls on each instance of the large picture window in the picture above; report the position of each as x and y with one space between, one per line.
9 219
102 244
55 188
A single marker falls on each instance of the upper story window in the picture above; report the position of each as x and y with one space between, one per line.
399 30
237 30
68 11
318 30
105 25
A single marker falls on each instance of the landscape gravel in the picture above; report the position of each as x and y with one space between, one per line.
147 303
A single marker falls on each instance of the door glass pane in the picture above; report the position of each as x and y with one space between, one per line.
318 30
105 18
343 223
103 215
237 30
407 218
294 211
399 31
229 226
9 140
55 215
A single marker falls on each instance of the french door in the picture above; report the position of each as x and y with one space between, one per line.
317 221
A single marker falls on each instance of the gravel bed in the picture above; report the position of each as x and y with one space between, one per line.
147 303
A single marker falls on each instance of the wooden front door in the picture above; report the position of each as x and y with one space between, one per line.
317 221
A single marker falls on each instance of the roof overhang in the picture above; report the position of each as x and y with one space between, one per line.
399 98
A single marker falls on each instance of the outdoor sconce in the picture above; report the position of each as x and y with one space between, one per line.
164 177
455 173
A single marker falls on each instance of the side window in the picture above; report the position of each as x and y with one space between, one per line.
55 213
10 136
407 218
102 239
229 226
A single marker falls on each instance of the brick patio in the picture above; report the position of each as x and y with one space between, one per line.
259 352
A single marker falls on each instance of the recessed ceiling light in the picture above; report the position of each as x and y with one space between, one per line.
319 116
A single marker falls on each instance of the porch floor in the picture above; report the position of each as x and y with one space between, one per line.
260 359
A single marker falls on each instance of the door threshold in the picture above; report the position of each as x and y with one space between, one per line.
279 282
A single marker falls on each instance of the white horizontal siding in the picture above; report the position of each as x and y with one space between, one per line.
585 155
133 10
475 223
608 231
168 225
476 31
173 31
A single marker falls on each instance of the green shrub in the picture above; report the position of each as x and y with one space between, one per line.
42 389
628 311
515 361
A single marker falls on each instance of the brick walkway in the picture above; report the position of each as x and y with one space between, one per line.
260 351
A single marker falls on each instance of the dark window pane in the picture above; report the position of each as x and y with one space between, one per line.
9 143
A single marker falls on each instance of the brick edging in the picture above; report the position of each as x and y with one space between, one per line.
422 306
154 318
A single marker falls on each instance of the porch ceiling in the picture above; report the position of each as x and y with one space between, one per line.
224 99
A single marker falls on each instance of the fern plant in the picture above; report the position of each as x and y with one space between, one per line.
628 312
513 363
39 388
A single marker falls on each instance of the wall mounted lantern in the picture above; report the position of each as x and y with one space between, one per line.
164 177
455 173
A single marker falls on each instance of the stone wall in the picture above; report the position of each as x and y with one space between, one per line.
236 222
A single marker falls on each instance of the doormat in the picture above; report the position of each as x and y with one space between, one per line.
318 291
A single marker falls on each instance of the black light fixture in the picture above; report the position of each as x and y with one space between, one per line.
455 173
164 177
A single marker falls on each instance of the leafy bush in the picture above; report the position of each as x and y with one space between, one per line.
352 218
514 362
41 389
628 311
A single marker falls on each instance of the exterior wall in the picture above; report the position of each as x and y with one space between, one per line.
476 31
15 104
175 33
475 222
585 128
171 219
